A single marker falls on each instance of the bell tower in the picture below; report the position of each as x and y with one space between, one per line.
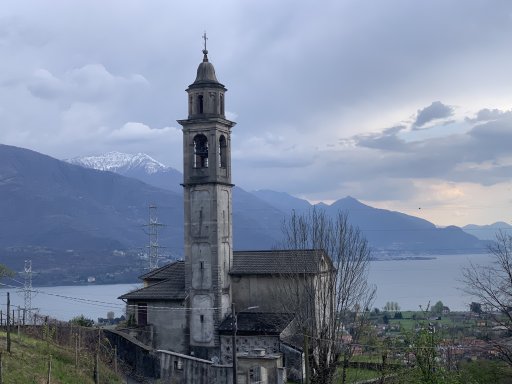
208 199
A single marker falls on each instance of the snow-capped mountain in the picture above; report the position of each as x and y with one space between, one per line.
119 162
139 166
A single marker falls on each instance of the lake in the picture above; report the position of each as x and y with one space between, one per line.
410 283
66 302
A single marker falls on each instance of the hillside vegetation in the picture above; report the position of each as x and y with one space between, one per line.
28 363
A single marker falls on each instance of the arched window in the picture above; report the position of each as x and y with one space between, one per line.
221 104
190 105
200 103
200 151
222 152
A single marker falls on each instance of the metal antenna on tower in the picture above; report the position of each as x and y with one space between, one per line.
27 289
153 246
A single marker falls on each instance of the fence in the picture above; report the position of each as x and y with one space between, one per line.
90 345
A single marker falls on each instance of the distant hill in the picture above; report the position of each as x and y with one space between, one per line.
283 201
487 232
64 216
257 224
395 232
258 215
74 222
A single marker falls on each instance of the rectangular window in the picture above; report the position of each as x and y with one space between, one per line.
142 313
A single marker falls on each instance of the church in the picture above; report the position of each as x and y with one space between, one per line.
220 306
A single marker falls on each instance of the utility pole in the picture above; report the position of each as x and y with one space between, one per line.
8 323
234 323
27 289
153 227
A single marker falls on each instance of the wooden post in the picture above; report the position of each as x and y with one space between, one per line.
8 323
76 351
115 359
18 325
97 362
96 369
49 370
1 318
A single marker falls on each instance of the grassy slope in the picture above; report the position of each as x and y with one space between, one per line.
28 363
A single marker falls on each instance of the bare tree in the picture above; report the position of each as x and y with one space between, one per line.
491 285
327 289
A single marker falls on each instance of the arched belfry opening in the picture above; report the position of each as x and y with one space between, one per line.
200 151
223 152
200 105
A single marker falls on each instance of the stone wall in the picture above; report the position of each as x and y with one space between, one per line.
259 367
177 368
270 293
166 325
169 323
293 361
135 354
246 344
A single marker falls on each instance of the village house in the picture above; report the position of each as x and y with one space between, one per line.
191 310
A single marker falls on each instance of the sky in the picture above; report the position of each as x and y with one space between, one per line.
404 105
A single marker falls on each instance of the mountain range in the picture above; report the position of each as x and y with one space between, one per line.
86 217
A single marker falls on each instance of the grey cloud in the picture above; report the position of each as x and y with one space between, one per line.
92 82
493 138
436 110
44 85
369 172
387 140
487 114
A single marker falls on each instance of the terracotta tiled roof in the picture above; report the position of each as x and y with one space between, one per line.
279 262
257 323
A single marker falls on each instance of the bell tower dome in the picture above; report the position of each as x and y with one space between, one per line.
208 213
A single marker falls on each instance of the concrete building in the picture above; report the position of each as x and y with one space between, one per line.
185 308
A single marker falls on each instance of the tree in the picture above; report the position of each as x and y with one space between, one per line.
328 305
6 272
391 306
437 308
475 307
491 285
82 321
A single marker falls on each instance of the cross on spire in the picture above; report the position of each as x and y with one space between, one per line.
204 38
